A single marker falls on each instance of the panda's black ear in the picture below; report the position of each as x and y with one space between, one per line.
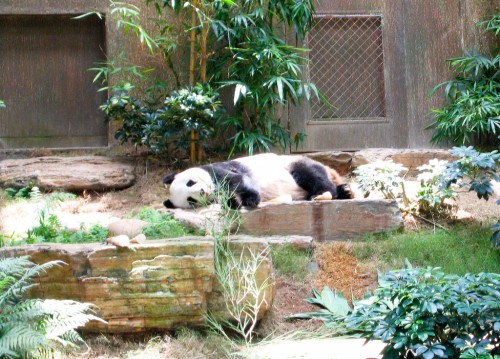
168 179
168 204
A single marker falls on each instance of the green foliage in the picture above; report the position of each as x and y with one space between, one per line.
381 176
236 272
424 313
473 170
96 233
333 306
158 127
431 195
291 261
249 56
461 249
127 17
265 72
492 24
472 110
50 230
47 230
161 225
24 192
31 327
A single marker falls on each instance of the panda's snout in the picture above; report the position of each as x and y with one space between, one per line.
202 192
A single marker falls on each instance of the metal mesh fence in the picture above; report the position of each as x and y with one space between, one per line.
346 64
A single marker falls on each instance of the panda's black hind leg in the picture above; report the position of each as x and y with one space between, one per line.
344 191
313 178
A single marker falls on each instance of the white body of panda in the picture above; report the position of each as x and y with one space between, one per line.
271 176
254 179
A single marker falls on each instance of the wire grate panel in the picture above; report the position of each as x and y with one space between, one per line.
347 66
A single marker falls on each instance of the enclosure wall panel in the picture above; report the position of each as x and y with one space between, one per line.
51 100
418 36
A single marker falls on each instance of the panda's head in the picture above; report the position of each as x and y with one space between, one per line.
188 188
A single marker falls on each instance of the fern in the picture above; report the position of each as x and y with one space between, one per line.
23 271
34 327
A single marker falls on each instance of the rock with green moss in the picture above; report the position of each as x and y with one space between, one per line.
158 285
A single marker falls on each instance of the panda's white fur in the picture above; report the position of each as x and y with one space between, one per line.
271 175
254 179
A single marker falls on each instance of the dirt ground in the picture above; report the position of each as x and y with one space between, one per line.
337 267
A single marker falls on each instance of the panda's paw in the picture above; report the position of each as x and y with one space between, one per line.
325 196
344 191
250 201
281 199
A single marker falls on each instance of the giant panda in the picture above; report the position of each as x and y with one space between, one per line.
254 179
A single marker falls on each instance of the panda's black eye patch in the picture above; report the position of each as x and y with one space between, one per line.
190 183
191 200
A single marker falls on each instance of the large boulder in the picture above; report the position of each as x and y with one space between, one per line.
74 174
158 285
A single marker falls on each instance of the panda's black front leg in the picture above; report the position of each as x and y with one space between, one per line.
250 198
240 191
246 198
243 191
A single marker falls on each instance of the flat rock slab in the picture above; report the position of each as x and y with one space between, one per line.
74 174
322 220
158 285
296 222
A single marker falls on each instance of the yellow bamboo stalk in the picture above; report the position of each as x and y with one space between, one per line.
192 61
204 56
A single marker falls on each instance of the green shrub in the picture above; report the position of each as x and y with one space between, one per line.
47 230
161 126
161 225
96 233
32 327
24 192
473 170
423 313
50 230
430 195
381 176
240 46
265 73
472 111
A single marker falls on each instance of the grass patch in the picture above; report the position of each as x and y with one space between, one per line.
291 261
52 232
161 225
462 249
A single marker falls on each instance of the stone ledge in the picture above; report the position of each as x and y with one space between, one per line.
322 220
300 220
159 285
67 173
